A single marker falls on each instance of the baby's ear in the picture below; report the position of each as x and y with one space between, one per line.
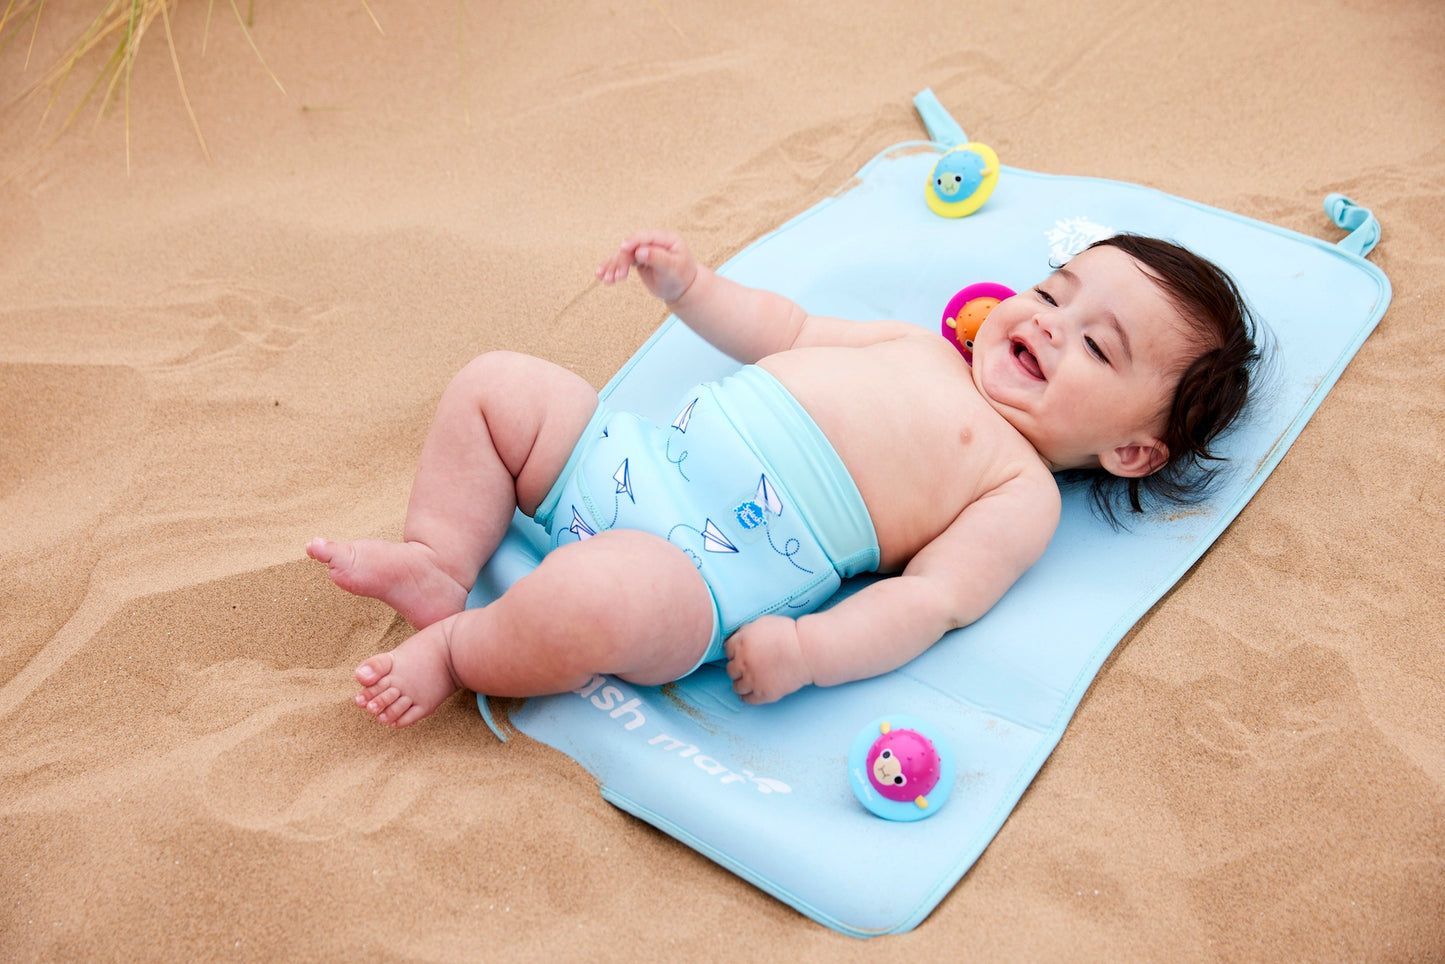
1136 460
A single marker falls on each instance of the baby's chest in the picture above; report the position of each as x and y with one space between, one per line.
917 480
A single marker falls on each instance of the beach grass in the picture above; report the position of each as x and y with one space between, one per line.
116 33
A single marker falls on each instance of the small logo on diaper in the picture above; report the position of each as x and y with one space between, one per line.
753 508
750 515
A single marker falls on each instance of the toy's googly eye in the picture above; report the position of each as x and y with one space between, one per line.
899 780
886 755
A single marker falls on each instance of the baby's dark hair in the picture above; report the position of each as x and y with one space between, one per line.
1212 389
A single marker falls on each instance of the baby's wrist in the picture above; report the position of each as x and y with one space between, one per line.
687 289
800 652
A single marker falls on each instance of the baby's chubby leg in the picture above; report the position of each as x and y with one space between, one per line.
503 431
623 602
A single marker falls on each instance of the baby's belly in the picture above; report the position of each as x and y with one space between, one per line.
913 432
915 480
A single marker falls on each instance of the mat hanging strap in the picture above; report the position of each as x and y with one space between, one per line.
1364 228
942 128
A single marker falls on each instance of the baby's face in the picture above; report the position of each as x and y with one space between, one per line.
1085 363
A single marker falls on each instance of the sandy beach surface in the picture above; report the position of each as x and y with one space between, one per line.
209 356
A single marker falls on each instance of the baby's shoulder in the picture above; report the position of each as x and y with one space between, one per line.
1019 515
1021 493
1038 487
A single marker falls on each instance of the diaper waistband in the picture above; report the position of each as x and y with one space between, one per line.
789 442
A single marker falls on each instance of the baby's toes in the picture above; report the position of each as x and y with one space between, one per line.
417 712
371 673
395 713
378 699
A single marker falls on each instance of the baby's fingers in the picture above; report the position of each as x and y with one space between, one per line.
663 261
742 684
651 238
615 268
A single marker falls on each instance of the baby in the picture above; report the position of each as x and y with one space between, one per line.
840 447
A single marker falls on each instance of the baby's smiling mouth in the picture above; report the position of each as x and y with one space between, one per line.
1027 360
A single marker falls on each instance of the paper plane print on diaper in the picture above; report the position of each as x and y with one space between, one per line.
768 496
623 478
713 539
580 528
685 416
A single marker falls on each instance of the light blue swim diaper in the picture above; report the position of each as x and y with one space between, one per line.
743 481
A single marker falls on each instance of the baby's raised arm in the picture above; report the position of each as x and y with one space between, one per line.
745 323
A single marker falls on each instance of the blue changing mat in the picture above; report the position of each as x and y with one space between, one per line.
764 791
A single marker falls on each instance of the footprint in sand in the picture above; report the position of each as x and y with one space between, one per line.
248 326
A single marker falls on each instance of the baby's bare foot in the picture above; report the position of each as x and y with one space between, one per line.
403 575
408 683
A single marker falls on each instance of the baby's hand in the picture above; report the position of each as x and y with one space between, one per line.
663 262
765 661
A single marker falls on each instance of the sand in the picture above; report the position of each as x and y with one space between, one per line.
204 361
